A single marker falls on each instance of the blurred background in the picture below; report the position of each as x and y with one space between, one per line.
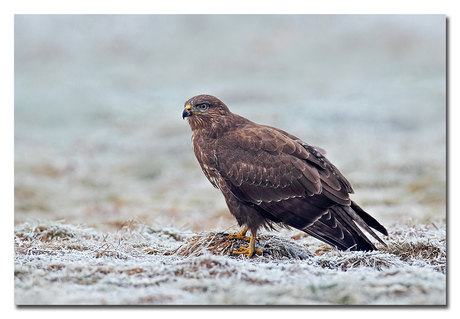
99 137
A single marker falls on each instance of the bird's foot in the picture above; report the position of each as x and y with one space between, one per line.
239 235
248 252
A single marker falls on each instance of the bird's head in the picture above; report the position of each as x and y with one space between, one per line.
204 110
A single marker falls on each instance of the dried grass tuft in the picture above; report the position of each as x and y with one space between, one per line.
428 251
344 261
218 244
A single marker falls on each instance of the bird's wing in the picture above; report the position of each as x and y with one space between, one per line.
264 165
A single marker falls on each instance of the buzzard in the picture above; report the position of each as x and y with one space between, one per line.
270 177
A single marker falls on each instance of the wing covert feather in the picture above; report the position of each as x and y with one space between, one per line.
268 166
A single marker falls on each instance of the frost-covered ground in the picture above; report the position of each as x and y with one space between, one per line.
63 264
99 141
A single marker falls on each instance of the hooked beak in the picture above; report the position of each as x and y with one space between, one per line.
186 112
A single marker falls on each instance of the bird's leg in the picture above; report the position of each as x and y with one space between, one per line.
251 250
240 235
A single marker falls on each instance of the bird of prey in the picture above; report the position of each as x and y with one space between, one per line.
270 177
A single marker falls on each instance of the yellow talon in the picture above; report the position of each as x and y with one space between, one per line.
240 235
249 251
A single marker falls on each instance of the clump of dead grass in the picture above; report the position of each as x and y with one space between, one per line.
45 231
218 244
336 259
51 238
419 244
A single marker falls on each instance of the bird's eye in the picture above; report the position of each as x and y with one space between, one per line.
203 106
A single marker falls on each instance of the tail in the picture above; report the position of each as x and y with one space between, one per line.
339 228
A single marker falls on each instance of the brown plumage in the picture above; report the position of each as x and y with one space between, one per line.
269 177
